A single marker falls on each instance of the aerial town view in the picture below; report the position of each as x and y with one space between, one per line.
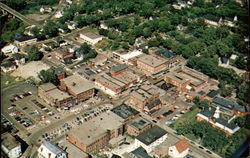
125 78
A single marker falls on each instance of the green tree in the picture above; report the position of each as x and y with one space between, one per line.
84 48
16 4
50 29
34 53
48 76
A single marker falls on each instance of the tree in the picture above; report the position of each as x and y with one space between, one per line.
16 4
226 91
145 51
84 48
50 29
48 76
47 2
34 53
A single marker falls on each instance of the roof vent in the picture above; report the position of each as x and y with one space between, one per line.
73 84
101 118
88 136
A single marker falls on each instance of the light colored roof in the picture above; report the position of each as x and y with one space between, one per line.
8 48
77 84
130 55
93 129
182 145
91 35
72 150
58 95
47 86
8 141
52 148
152 60
145 92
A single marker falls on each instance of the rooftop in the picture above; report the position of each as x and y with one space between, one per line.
47 86
165 53
131 54
145 92
58 94
77 84
8 63
24 38
124 111
140 153
212 93
119 67
228 104
8 141
154 103
149 136
72 150
139 123
52 148
182 145
18 56
93 129
91 35
151 60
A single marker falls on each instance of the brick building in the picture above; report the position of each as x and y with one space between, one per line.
63 53
151 64
116 70
53 96
60 73
78 87
186 79
137 126
100 130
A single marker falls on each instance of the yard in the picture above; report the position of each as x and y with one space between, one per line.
7 80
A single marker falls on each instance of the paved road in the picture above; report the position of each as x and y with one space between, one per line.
18 15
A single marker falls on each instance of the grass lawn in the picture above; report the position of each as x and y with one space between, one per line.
189 116
7 80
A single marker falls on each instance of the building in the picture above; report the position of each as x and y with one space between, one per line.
10 146
25 40
53 96
100 130
99 59
18 58
117 80
72 151
186 79
137 126
211 94
139 153
151 138
9 49
151 65
143 96
228 21
179 149
90 37
8 66
60 73
215 116
62 53
230 106
126 57
49 150
78 87
125 112
213 20
169 56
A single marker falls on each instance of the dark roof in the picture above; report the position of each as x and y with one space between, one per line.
140 153
165 53
24 38
229 125
229 19
212 18
149 136
154 103
8 64
201 92
115 156
229 104
119 67
18 56
224 60
208 112
124 111
212 93
68 60
57 70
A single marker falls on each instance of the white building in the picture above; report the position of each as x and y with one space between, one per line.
59 14
9 49
8 66
10 145
151 138
45 10
126 56
25 40
91 37
49 150
179 149
104 26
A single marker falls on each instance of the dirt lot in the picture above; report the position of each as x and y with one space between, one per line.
38 17
30 69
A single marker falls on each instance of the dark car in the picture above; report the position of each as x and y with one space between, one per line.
154 121
25 108
209 152
201 147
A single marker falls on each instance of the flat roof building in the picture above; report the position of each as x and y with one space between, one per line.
151 138
72 151
137 126
49 150
95 134
10 145
125 112
90 37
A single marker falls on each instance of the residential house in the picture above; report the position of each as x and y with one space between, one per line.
8 66
179 149
25 40
213 20
9 49
18 58
49 150
139 152
151 138
63 53
10 146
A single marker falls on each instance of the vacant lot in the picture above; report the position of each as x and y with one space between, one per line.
7 80
30 69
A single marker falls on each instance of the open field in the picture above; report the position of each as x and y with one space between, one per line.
7 80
